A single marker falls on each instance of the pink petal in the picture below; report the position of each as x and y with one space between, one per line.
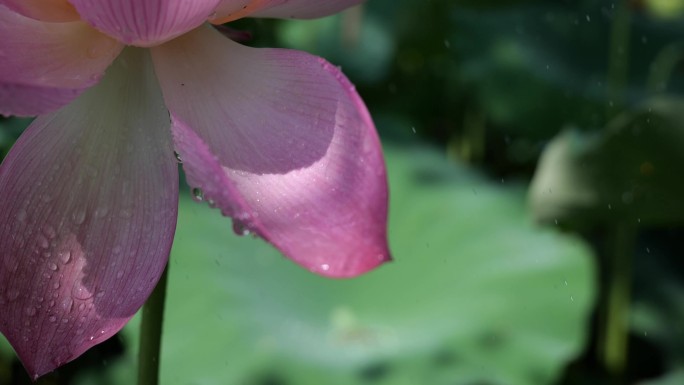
280 141
87 217
230 10
145 23
43 66
45 10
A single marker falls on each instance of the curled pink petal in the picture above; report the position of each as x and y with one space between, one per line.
229 10
87 217
280 141
44 10
43 66
145 23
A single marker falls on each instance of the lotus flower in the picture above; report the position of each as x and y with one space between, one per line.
276 139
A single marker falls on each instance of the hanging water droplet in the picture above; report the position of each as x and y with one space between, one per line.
240 228
178 157
197 194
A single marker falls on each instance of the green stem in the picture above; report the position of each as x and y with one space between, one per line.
614 342
150 334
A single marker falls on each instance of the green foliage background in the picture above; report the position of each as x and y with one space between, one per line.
518 135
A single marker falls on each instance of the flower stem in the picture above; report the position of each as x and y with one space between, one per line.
150 334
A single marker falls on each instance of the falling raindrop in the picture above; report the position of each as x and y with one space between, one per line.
197 194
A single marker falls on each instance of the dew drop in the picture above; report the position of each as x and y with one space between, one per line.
68 304
101 212
65 257
43 242
197 194
81 292
52 266
78 217
49 231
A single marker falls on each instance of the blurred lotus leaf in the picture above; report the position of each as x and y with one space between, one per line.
631 171
476 294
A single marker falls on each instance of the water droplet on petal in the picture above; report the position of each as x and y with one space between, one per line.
325 267
65 257
30 311
43 242
101 212
81 292
68 304
52 266
52 318
78 216
178 157
119 274
12 294
21 215
197 194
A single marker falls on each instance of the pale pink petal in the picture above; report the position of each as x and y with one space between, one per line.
230 10
280 141
45 65
145 23
45 10
87 217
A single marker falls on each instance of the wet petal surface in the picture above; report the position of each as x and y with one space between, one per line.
87 217
280 141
